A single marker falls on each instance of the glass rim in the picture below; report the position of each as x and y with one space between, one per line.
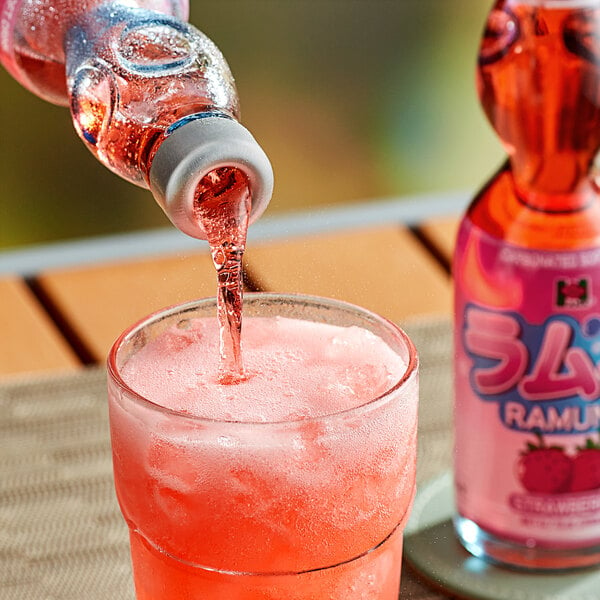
409 372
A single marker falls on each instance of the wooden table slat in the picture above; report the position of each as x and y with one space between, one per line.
384 269
441 234
30 340
99 302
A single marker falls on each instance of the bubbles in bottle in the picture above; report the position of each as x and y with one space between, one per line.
132 74
154 48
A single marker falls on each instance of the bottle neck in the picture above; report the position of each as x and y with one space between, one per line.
196 149
558 183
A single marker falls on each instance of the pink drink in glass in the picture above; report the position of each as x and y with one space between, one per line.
294 483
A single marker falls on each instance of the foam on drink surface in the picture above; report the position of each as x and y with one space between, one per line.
294 369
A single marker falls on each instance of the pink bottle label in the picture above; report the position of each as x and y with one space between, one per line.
527 412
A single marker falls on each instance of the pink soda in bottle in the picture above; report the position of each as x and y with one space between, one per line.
527 297
151 96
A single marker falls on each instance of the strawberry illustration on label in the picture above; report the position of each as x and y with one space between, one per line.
586 468
545 469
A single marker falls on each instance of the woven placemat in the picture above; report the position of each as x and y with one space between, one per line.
62 536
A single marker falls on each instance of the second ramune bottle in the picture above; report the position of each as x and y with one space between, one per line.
527 273
151 96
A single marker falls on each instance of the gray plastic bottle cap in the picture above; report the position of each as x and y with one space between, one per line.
195 149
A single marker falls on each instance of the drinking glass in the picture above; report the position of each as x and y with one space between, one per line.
295 509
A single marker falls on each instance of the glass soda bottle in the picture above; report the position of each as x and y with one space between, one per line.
527 297
151 96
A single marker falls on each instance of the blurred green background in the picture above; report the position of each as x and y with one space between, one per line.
352 99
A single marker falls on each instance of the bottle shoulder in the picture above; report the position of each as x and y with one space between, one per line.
498 211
